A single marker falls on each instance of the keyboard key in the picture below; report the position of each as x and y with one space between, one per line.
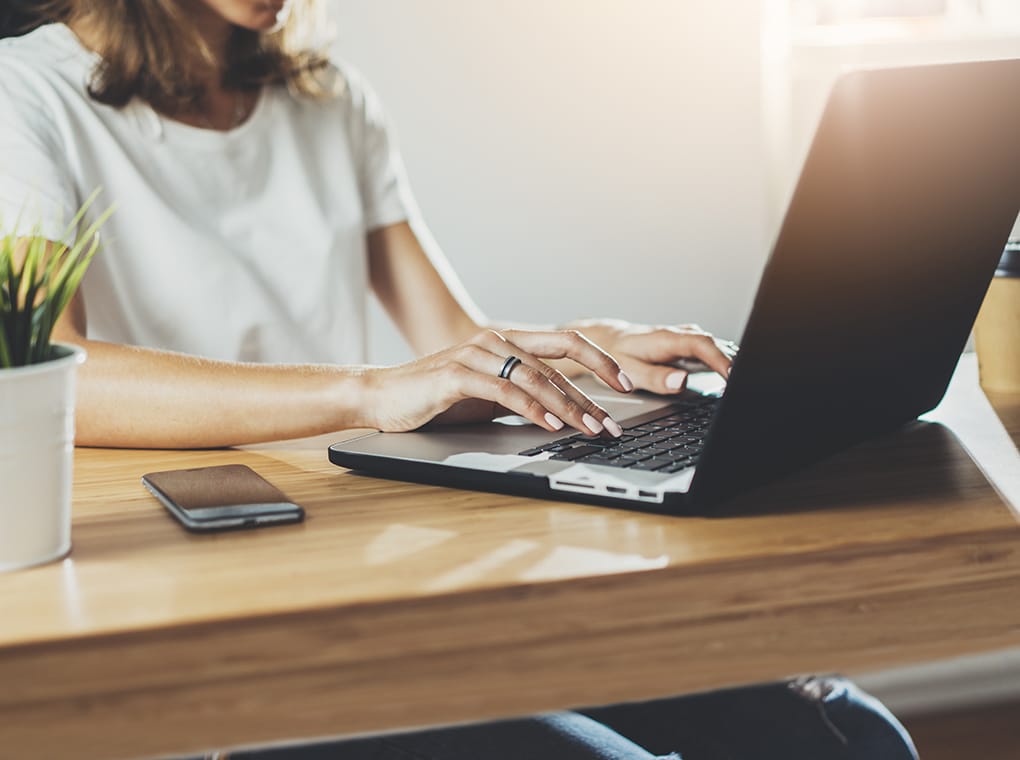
627 461
649 464
677 467
611 451
595 459
641 454
576 452
642 429
654 437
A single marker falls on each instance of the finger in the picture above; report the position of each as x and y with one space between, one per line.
545 384
579 397
583 413
467 383
658 378
593 417
669 344
570 344
705 348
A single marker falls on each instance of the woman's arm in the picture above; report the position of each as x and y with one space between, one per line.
421 293
419 289
144 398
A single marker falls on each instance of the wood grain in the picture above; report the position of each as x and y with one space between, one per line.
398 605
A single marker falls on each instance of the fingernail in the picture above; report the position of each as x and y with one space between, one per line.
675 380
592 424
554 421
729 369
625 382
613 427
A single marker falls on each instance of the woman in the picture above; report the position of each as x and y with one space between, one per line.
251 219
260 196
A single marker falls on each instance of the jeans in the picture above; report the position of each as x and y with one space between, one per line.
804 719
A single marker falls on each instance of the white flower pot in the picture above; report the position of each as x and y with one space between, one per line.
36 457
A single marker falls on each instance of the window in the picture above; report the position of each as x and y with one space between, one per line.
906 14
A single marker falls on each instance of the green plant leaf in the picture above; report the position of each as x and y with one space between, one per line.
34 293
73 224
77 261
5 354
33 284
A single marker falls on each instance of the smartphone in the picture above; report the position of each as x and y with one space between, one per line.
221 498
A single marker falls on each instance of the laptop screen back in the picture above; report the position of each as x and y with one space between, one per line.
905 201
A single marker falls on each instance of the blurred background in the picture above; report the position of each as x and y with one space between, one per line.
632 159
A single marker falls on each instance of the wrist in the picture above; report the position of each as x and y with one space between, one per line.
351 397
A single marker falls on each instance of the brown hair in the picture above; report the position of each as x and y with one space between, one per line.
151 49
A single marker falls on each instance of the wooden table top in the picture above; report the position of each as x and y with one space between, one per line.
399 605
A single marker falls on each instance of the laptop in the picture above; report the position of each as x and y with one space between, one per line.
901 212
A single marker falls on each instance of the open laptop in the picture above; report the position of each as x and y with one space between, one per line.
901 212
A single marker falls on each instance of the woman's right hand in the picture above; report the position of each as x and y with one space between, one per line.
462 384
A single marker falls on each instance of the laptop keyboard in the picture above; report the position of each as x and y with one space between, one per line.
669 443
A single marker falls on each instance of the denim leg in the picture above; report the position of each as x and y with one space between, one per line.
871 731
805 719
559 736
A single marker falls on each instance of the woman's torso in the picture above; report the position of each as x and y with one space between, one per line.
243 245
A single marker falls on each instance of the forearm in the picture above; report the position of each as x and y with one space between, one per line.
419 290
142 398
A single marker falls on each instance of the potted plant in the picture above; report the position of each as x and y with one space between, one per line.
37 280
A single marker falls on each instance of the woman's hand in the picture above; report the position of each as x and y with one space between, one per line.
646 353
462 384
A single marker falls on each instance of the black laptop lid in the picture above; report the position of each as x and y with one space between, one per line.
905 202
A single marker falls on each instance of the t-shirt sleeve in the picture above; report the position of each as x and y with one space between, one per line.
36 191
385 193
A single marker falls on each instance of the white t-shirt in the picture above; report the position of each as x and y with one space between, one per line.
244 245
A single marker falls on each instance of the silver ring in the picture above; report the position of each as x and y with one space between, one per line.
508 367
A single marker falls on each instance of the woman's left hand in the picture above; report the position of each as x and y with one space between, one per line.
647 353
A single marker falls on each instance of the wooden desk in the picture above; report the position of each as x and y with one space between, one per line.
398 605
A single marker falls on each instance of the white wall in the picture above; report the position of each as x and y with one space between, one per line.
579 157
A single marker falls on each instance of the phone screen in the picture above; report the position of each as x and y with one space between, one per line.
224 496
